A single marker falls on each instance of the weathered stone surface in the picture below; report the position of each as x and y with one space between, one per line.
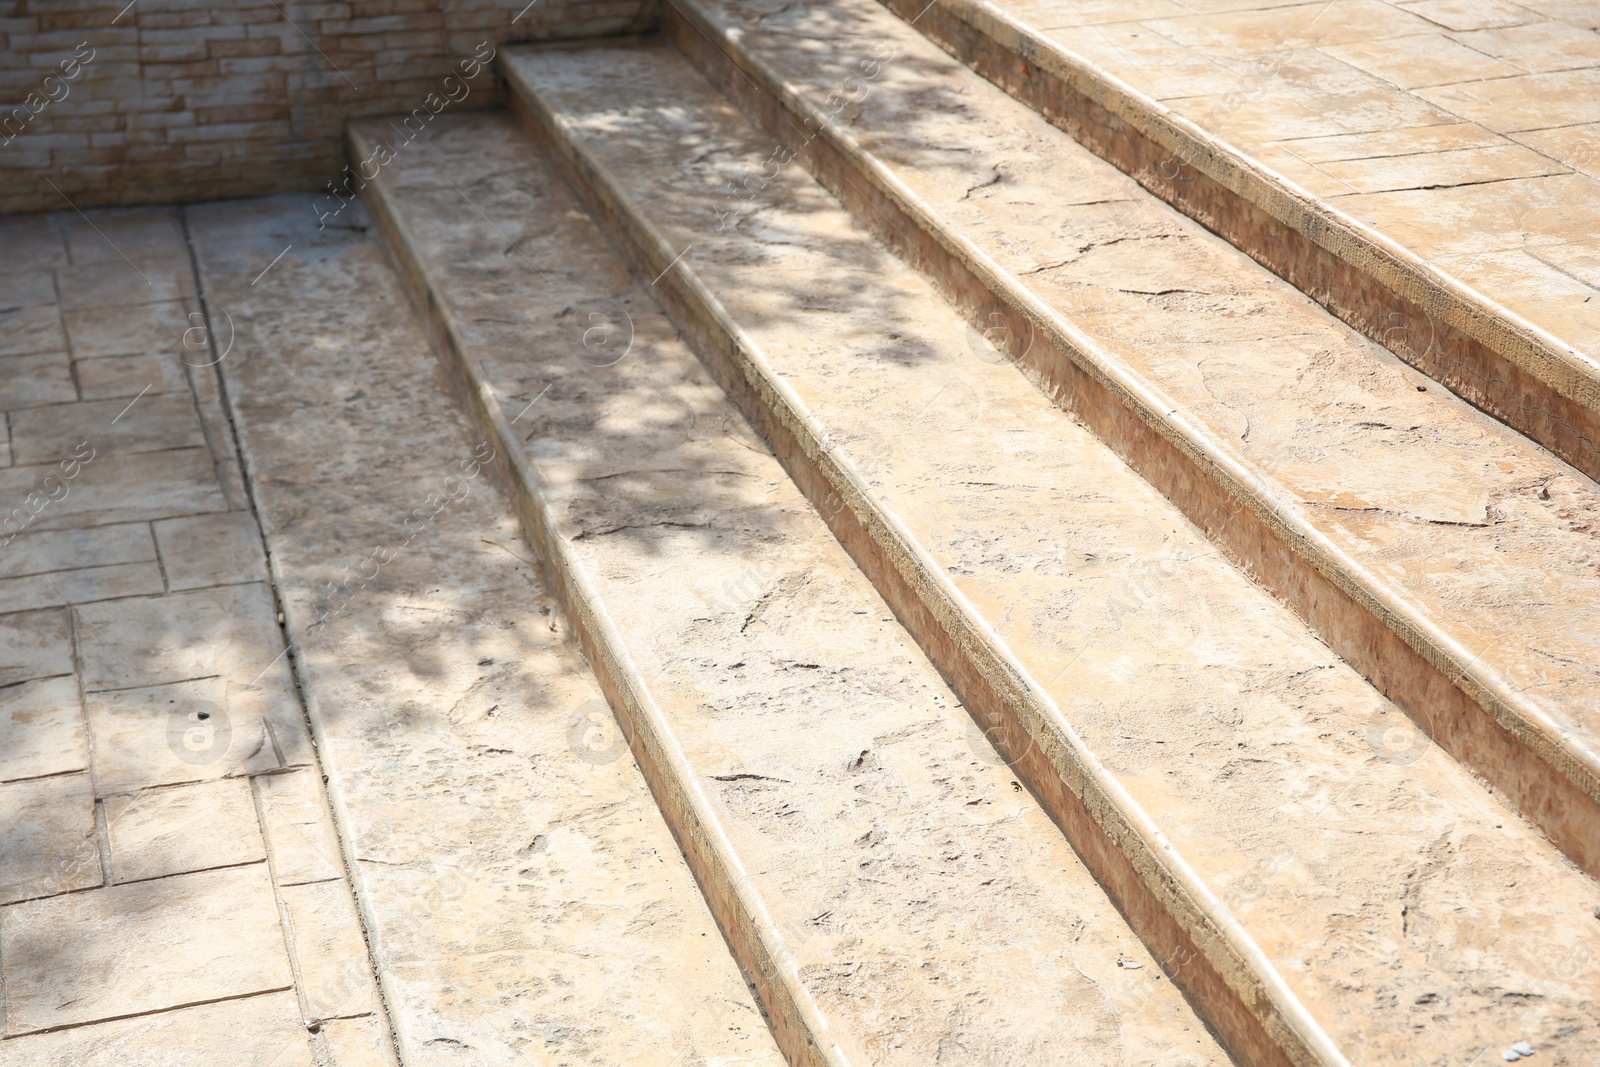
147 330
151 423
43 378
41 729
203 550
526 900
47 838
65 550
332 972
111 488
260 1031
127 376
300 836
94 297
190 731
929 907
79 586
35 644
27 331
1224 727
128 949
183 828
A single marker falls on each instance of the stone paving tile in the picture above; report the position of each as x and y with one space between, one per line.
30 330
48 842
65 550
41 729
107 456
259 1031
145 946
1265 76
357 1043
332 971
35 644
1538 48
300 836
116 284
109 489
1424 59
183 828
180 732
204 550
79 586
116 427
114 376
99 331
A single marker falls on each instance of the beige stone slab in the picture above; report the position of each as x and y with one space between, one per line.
1531 102
1543 294
1051 14
229 632
182 828
61 550
47 838
110 489
22 287
146 946
35 644
1576 146
144 235
41 729
1425 59
1471 219
41 378
179 732
258 1031
1580 259
333 974
1431 170
203 550
1405 141
113 376
300 836
158 327
150 423
1245 33
1471 14
1580 13
1282 159
119 284
1148 61
32 242
1538 47
363 1042
28 330
81 586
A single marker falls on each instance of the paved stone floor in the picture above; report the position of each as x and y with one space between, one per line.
1466 130
171 885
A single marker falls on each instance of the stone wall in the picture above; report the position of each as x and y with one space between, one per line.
156 101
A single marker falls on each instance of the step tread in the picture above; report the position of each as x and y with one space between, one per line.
930 906
484 832
1273 783
1485 542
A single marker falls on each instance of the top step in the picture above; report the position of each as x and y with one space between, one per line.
1423 171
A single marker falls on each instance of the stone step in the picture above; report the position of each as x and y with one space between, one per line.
1320 895
891 889
524 900
1449 315
1451 560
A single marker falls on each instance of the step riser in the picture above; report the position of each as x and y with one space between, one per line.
1516 377
1418 675
1172 926
754 941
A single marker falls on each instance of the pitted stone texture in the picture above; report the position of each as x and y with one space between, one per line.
932 908
1258 754
524 899
1478 531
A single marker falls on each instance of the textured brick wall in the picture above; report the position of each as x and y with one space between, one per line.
107 102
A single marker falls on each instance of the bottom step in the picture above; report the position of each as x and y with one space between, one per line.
526 902
894 893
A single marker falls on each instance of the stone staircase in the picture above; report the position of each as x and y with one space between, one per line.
929 481
836 533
